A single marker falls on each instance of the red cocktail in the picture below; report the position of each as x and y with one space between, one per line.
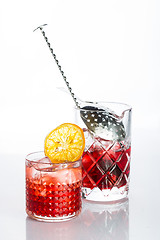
53 191
106 167
107 153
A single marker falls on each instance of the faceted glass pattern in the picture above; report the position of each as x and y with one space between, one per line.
53 194
106 159
106 166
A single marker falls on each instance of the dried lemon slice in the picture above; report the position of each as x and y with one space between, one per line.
65 143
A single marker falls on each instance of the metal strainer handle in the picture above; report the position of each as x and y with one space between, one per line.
59 66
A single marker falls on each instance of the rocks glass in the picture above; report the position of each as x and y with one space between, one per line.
53 190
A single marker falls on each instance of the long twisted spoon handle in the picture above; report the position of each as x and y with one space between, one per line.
59 66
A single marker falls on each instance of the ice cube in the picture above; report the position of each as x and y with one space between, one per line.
89 139
43 164
68 176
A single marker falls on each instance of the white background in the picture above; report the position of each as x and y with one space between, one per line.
109 50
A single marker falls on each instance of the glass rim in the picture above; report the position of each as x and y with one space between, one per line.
42 152
127 106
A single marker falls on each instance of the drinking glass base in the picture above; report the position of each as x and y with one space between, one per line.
105 195
52 219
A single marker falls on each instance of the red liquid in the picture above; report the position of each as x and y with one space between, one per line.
52 200
106 165
52 193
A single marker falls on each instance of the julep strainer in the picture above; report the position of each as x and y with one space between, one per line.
99 120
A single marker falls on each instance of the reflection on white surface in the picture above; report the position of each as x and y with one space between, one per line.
106 221
97 221
49 231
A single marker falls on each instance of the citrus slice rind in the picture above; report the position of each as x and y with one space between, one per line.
65 143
